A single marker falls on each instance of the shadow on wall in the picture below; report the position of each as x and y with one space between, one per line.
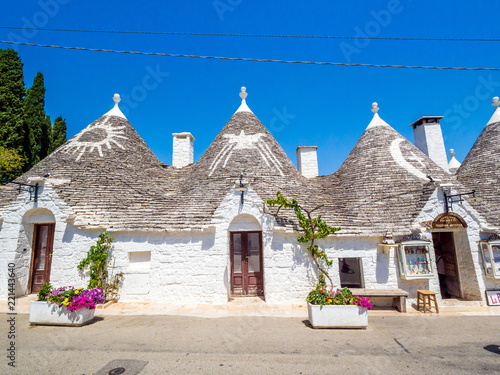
301 257
382 268
69 233
226 282
208 242
22 260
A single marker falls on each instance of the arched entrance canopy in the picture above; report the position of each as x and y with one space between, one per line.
448 220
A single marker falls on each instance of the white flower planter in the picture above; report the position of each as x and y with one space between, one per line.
44 313
338 316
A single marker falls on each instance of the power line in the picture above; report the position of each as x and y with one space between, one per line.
253 35
247 59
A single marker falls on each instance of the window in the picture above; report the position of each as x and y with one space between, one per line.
350 272
491 257
414 260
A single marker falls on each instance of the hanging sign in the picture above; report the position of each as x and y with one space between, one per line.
448 220
493 297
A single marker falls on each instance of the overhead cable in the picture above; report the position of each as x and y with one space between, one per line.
247 59
254 35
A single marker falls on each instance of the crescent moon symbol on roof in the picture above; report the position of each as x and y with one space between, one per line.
398 157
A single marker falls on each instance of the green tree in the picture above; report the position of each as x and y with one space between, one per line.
313 228
46 138
12 93
58 133
34 118
11 164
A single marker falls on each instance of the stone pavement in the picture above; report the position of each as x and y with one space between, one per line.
257 307
160 344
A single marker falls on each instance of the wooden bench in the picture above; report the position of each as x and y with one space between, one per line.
399 296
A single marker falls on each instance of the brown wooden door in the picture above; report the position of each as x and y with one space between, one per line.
42 255
444 247
246 264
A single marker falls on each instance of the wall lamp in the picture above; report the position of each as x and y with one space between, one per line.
241 187
458 198
32 189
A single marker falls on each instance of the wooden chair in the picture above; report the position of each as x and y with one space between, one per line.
425 296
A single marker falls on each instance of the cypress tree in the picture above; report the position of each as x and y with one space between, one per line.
34 118
58 133
46 138
12 93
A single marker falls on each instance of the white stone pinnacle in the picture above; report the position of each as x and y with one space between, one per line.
115 111
243 107
496 115
244 94
376 121
454 164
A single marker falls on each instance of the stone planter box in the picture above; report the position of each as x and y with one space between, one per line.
338 316
44 313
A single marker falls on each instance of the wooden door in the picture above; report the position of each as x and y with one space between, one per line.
42 255
444 246
246 264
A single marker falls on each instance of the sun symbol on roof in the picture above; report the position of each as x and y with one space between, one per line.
246 141
95 137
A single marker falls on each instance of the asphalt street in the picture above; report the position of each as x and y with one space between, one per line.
255 345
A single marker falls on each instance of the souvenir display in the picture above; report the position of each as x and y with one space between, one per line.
414 260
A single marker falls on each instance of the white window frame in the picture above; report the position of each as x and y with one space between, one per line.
492 269
403 269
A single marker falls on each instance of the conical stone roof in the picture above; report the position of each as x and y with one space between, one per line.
383 183
244 145
481 169
105 174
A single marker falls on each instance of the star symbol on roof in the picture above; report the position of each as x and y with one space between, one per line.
246 141
243 140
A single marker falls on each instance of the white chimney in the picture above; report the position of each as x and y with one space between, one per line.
307 161
429 139
183 149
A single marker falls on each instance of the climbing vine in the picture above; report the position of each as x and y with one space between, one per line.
313 228
98 258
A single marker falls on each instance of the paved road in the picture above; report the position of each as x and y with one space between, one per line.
256 345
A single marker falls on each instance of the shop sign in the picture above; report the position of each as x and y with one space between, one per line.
448 220
493 297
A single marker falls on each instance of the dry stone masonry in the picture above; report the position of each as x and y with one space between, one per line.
172 224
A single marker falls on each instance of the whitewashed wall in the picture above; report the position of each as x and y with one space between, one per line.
194 267
473 280
16 239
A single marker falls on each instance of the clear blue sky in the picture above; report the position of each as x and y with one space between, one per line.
302 105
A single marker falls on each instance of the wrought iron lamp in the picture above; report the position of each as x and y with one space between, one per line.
32 189
241 188
458 198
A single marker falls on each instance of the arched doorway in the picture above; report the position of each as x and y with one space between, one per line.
247 273
43 223
444 229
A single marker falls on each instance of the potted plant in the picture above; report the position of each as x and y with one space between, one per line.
338 309
326 308
65 306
